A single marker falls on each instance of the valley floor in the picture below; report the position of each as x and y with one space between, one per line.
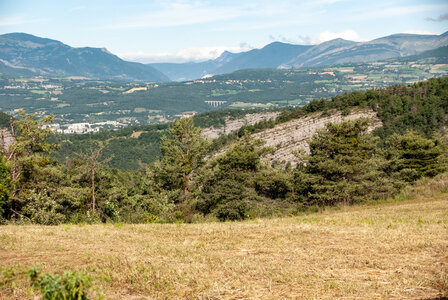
393 250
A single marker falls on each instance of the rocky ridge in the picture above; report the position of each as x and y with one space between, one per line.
294 135
232 125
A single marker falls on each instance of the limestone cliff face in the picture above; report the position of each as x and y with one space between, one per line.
235 124
6 139
292 135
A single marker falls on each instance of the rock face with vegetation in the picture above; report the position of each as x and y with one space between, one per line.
347 163
234 124
295 134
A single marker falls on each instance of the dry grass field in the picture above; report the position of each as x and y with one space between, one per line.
395 250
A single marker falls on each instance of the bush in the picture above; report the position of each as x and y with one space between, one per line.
412 156
233 211
68 286
158 207
273 184
42 209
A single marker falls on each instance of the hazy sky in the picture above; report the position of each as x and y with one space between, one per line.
181 30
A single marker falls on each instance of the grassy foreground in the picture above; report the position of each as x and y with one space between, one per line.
391 250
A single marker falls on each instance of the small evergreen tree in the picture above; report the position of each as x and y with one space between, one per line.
227 185
32 174
341 167
5 184
183 152
412 156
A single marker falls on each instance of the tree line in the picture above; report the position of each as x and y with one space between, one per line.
192 182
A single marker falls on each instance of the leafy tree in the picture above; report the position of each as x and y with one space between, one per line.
91 164
5 183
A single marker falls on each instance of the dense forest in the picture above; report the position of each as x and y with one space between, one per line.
189 181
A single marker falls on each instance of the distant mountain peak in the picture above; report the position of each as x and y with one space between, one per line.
53 58
26 37
50 57
226 56
106 51
337 41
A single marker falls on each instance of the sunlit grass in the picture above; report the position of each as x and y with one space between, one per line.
396 249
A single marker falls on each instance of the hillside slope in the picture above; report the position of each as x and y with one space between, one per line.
42 56
283 55
341 52
234 124
270 56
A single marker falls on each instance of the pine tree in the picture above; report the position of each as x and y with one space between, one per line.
341 167
227 186
31 172
183 151
412 156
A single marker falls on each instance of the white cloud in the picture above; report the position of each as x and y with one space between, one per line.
18 20
349 34
10 21
183 55
326 35
181 13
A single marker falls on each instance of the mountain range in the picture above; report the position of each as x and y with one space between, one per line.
24 54
283 55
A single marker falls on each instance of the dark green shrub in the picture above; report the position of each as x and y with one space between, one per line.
273 184
69 286
412 156
5 183
233 211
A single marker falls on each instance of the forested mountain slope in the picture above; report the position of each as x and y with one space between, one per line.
27 54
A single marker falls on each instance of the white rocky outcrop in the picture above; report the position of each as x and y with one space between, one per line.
293 135
235 124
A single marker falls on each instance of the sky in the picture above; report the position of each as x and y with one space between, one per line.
197 30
